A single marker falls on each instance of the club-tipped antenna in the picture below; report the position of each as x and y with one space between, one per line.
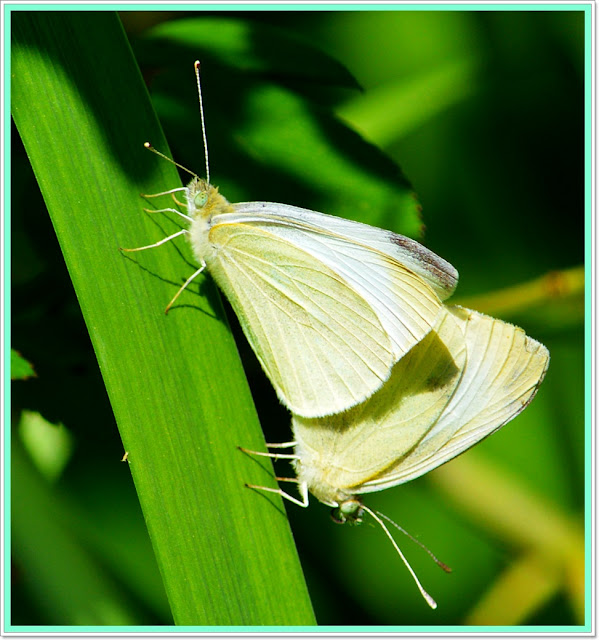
439 563
429 599
147 145
196 66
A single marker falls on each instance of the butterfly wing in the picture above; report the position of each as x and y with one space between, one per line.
320 343
503 372
436 272
352 449
405 303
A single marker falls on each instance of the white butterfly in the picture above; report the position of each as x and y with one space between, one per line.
328 305
463 381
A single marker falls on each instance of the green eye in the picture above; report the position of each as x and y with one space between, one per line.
200 199
350 510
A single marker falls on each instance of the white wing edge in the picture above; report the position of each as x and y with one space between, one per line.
439 274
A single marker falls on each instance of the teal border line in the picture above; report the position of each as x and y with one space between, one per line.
430 630
582 6
588 329
588 9
7 600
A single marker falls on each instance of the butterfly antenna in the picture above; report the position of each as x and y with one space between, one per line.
196 66
147 145
429 600
443 566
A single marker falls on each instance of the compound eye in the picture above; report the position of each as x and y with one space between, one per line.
200 199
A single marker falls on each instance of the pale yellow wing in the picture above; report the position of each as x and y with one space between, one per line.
326 331
401 280
351 449
320 343
503 372
302 223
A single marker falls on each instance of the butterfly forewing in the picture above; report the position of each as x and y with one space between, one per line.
434 270
320 342
403 301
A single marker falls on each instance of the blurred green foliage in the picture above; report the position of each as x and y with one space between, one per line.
20 369
484 112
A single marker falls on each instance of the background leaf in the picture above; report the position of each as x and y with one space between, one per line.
20 369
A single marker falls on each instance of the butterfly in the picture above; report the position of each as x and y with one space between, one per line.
466 379
328 305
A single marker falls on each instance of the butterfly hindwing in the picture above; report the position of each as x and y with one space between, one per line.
354 448
503 372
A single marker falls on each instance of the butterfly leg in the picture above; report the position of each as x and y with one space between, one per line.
157 244
302 487
280 445
170 210
181 204
191 277
274 456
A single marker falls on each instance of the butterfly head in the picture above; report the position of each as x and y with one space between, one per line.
204 200
350 510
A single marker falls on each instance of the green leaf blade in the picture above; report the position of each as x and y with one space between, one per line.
175 382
